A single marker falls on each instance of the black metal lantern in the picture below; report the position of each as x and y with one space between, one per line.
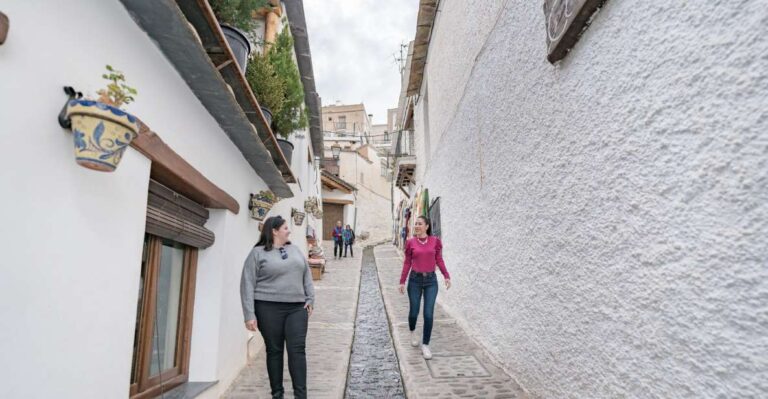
336 151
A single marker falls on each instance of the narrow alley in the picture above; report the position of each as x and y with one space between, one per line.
573 192
351 354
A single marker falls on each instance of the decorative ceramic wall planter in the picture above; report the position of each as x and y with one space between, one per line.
101 133
261 203
298 216
309 204
312 206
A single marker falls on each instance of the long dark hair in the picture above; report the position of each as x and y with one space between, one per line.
428 223
266 239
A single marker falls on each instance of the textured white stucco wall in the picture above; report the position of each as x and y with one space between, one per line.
372 198
69 279
612 243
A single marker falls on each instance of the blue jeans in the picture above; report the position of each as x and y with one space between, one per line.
418 284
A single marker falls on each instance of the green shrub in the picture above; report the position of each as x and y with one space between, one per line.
292 116
266 85
237 13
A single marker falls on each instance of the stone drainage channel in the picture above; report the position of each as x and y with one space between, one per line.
374 371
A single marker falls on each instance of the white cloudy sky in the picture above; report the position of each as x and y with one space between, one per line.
352 44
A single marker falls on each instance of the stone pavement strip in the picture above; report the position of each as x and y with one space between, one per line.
459 367
329 339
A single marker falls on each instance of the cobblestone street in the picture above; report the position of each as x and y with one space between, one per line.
368 368
459 368
329 340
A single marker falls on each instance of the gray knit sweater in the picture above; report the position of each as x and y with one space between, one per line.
269 277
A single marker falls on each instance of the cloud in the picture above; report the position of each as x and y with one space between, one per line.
353 43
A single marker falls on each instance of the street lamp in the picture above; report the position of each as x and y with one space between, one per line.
336 151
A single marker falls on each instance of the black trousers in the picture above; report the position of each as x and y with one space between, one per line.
284 325
338 245
351 252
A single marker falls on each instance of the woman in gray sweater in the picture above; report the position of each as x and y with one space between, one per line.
277 297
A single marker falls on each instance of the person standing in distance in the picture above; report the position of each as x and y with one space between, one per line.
422 253
338 240
278 297
349 239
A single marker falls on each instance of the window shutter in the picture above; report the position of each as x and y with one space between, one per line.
173 216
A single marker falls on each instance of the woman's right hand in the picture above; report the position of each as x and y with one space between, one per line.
250 325
402 288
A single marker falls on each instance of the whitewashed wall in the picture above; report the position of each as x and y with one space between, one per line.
73 238
373 194
618 209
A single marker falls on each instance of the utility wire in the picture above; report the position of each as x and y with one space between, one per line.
347 135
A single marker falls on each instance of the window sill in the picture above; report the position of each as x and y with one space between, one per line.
189 390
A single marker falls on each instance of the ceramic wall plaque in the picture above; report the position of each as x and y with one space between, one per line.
566 20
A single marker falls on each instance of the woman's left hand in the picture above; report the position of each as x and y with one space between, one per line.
447 284
309 309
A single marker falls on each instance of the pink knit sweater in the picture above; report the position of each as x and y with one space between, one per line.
422 258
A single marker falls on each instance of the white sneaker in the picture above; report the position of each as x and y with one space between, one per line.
415 339
426 352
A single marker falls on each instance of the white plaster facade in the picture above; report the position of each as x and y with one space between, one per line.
72 245
604 219
360 166
374 206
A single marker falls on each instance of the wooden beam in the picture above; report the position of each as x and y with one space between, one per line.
176 173
337 201
334 186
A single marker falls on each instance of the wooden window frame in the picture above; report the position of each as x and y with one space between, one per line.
149 387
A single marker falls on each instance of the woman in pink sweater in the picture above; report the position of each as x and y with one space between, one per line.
422 253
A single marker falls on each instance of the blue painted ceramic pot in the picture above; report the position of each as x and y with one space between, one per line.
261 203
101 133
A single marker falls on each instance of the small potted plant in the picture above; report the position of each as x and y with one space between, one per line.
266 86
276 82
236 20
261 203
102 130
293 115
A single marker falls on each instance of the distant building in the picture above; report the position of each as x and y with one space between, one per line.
356 186
346 120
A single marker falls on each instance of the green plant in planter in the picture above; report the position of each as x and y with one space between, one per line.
266 85
292 116
101 130
117 92
237 13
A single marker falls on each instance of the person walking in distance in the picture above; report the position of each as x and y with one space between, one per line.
338 240
422 253
349 239
278 297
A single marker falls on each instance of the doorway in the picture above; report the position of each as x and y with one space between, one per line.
332 213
